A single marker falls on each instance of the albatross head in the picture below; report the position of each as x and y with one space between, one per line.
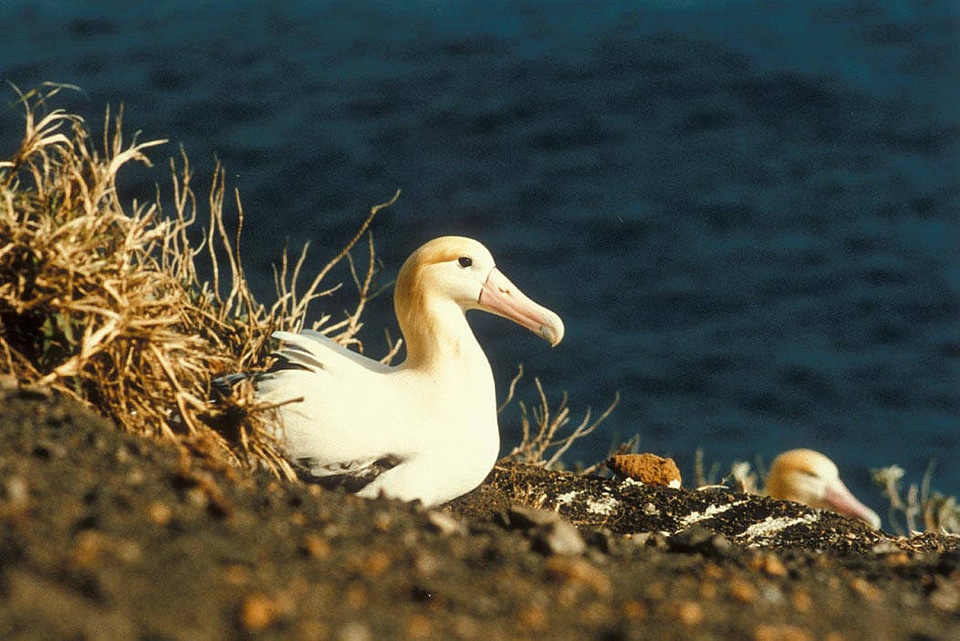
462 270
809 477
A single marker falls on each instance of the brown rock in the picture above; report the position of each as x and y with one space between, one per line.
646 468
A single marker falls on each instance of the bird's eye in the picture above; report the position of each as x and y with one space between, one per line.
465 261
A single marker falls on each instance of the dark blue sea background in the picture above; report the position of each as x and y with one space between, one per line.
746 212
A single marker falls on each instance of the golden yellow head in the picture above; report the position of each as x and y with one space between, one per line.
454 269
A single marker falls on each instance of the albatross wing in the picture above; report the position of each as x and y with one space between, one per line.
315 352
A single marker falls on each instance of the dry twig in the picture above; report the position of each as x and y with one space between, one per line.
940 513
540 428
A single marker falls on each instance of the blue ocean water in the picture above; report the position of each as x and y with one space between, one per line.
746 212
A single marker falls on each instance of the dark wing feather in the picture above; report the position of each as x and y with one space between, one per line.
349 477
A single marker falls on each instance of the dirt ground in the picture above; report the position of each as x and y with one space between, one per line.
109 536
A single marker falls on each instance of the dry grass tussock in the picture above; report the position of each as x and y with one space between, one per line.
102 301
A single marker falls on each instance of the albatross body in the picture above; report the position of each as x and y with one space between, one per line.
425 429
809 477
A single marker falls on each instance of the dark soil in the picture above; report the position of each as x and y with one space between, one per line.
109 536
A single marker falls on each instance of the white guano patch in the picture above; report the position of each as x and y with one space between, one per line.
711 511
567 498
604 506
772 526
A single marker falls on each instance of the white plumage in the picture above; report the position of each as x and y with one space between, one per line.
425 429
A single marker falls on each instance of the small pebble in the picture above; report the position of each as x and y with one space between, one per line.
578 572
443 523
46 450
742 591
236 574
90 544
524 518
355 631
533 617
885 547
315 546
129 551
558 538
713 571
17 493
196 497
802 601
689 613
866 589
601 540
769 564
655 540
356 597
780 633
376 563
634 610
426 564
9 383
383 521
946 596
159 513
708 591
418 627
700 539
257 613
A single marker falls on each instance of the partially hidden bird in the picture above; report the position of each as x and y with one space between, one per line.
809 477
425 429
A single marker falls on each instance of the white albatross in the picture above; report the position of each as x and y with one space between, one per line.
809 477
425 429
